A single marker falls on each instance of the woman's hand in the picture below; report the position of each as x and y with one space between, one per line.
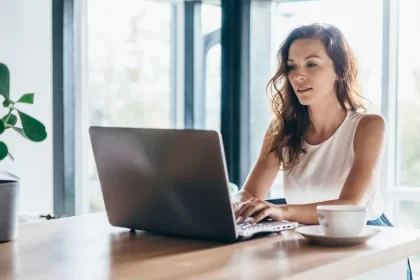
260 209
240 198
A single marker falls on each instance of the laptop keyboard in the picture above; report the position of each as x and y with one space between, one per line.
249 225
248 228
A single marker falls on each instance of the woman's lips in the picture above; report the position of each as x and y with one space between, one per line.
304 90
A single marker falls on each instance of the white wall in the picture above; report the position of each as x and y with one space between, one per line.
25 46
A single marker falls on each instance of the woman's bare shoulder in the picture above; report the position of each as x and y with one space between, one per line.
371 125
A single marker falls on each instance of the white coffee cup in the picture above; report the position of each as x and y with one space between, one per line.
341 220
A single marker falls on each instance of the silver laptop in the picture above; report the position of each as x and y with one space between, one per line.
169 181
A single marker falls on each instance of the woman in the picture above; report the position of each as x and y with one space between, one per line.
329 149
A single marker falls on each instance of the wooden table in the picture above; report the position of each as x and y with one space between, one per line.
87 247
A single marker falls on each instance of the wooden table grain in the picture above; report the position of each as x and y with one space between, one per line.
87 247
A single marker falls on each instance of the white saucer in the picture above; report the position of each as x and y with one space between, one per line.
316 234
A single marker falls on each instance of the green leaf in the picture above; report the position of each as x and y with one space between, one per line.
3 150
32 128
11 121
2 126
27 98
4 81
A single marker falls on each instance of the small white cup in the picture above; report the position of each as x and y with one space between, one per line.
341 220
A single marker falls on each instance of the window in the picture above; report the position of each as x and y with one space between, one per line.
128 64
130 56
408 96
408 121
212 88
364 36
210 30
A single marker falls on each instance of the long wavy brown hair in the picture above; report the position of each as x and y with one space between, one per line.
291 119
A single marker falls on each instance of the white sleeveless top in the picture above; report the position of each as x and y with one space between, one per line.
321 173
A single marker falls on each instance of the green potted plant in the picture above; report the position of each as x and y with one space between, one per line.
33 130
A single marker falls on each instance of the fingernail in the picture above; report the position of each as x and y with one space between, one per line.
239 219
252 221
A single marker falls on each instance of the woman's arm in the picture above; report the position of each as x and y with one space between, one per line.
261 176
369 144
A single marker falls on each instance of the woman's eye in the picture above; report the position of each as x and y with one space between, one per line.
311 65
291 67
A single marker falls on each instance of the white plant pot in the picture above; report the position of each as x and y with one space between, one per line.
9 205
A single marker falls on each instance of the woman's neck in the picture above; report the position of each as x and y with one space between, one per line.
325 118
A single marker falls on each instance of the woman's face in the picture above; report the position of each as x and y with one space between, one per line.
311 71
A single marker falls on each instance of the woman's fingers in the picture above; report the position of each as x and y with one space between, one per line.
259 210
237 204
240 210
248 209
263 214
252 209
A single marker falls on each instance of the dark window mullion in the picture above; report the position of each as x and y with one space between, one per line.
235 39
63 107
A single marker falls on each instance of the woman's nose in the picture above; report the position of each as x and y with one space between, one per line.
299 76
